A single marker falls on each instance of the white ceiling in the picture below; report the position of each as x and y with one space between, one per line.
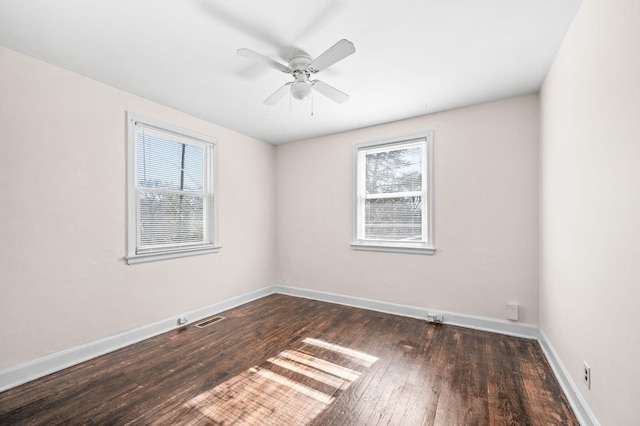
413 57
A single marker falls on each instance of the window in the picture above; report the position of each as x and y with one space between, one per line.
393 207
172 196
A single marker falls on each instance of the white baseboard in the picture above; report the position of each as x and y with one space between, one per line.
580 407
39 367
528 331
578 404
31 370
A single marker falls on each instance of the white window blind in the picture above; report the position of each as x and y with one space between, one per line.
172 192
392 207
393 197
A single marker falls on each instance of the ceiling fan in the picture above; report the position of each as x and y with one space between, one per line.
302 66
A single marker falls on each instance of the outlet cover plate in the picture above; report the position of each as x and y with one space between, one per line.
587 375
512 311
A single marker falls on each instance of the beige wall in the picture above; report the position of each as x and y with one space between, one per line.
486 215
590 206
63 280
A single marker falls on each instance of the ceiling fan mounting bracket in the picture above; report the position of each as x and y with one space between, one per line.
302 75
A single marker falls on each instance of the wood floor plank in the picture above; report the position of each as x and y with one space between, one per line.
286 360
417 411
406 396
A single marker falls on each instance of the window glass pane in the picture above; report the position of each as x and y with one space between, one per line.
396 219
167 219
398 170
168 164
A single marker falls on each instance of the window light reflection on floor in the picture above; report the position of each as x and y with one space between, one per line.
291 388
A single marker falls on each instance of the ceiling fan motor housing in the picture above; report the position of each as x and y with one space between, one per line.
299 62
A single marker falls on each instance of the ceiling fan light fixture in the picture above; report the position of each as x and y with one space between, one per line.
301 90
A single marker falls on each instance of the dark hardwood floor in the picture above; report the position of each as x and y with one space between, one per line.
285 360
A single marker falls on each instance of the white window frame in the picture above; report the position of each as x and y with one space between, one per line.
211 190
359 242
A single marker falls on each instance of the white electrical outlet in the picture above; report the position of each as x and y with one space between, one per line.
587 374
512 311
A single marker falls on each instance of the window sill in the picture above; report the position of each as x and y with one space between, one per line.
153 257
393 248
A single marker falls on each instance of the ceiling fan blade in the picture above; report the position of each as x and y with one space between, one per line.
250 54
335 53
279 94
330 91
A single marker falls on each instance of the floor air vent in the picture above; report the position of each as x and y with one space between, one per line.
209 321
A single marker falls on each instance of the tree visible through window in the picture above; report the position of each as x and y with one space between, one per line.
392 187
393 206
172 191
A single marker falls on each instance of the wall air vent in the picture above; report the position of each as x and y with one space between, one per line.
209 321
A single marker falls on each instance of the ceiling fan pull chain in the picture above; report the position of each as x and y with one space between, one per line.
312 104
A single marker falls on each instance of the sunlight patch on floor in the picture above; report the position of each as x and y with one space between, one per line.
320 365
364 359
291 388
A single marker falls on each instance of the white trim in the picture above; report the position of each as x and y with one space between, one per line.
152 257
34 369
368 246
132 194
528 331
423 139
39 367
413 137
580 407
210 191
428 220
